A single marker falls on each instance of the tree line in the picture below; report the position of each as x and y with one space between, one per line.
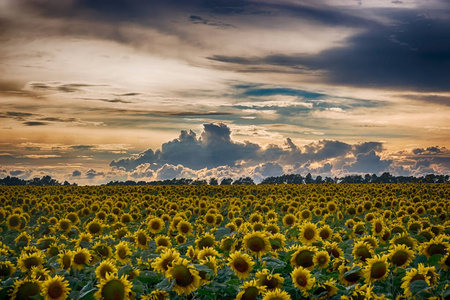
283 179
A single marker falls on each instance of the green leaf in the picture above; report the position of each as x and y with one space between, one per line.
274 263
203 268
149 277
85 244
125 270
86 290
275 243
353 270
433 260
418 286
165 285
446 293
138 287
222 232
421 258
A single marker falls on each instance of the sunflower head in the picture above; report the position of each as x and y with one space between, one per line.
302 279
362 251
241 264
308 233
6 269
377 269
105 267
303 257
327 290
257 243
207 240
321 259
55 288
80 258
162 263
114 288
27 261
186 277
250 290
268 280
400 255
26 289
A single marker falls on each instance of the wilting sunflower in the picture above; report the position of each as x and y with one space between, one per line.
241 264
349 279
436 245
55 288
14 221
103 250
105 267
302 279
258 243
65 259
207 240
164 261
377 269
277 241
26 289
362 251
23 240
276 294
321 259
123 252
327 289
400 255
6 269
308 233
250 290
81 258
186 277
27 261
303 257
114 288
270 281
413 275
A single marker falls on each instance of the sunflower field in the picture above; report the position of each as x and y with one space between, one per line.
327 241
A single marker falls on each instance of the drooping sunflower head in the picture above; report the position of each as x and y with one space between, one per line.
105 267
268 280
114 288
40 273
164 261
349 275
277 241
436 245
6 269
377 269
377 226
241 264
308 233
23 240
411 276
186 277
333 249
207 240
26 289
141 239
400 255
55 288
362 251
65 259
302 279
250 290
326 289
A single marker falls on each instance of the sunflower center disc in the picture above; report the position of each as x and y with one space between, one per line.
182 275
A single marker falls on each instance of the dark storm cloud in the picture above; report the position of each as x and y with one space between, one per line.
434 99
35 123
76 173
17 115
368 163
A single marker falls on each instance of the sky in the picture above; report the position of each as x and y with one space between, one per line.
95 91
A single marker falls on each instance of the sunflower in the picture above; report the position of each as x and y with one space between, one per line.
427 233
303 257
404 239
359 228
205 252
95 227
180 239
55 288
209 219
270 281
27 261
156 295
413 275
211 262
184 227
186 277
327 289
276 294
40 273
6 269
370 239
241 264
141 239
308 233
114 288
400 255
444 262
155 225
362 251
162 263
258 243
105 267
207 240
277 241
123 252
23 240
103 250
351 278
321 259
14 221
302 279
65 259
325 232
81 258
26 289
85 237
436 245
250 290
289 220
333 249
377 269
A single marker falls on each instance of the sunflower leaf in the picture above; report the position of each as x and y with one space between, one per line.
166 284
149 277
125 270
418 286
274 263
86 290
203 268
433 260
353 270
222 232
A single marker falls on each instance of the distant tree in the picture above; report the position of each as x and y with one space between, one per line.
318 180
309 179
213 181
226 181
244 181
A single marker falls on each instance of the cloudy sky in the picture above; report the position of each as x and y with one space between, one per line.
94 91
